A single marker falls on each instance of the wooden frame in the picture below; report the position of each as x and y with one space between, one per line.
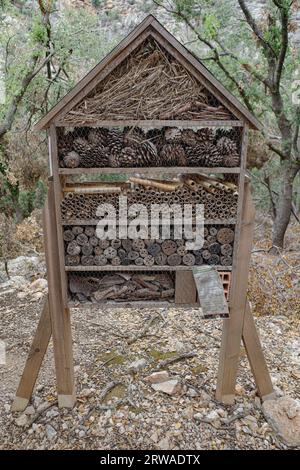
55 319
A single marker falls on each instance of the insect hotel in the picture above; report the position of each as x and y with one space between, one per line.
151 123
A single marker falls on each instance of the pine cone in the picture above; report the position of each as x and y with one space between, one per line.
189 137
173 155
98 136
205 154
205 135
133 137
127 157
229 151
156 136
172 135
114 141
147 155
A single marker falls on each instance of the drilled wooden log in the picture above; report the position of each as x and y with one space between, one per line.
72 260
206 254
116 261
226 260
198 260
133 255
174 260
138 244
148 260
77 229
122 253
82 239
139 261
143 253
213 231
100 260
169 247
94 241
126 244
89 231
226 250
181 250
73 248
225 235
98 250
87 249
154 249
104 243
188 259
110 252
161 259
215 248
87 260
211 239
214 259
68 235
116 244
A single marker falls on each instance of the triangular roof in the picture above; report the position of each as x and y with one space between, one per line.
149 27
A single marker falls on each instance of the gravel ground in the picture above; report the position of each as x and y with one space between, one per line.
132 415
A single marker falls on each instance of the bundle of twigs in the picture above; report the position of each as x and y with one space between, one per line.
150 84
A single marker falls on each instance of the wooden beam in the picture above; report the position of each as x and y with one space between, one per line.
148 171
154 123
233 327
256 357
34 360
60 314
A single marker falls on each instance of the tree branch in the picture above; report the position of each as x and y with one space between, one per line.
284 44
31 74
253 25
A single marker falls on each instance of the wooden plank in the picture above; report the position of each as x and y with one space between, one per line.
256 357
185 288
58 195
232 327
34 360
240 206
155 123
149 170
60 315
110 267
127 304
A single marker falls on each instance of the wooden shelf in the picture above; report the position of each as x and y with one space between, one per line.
231 221
154 123
129 304
110 267
149 170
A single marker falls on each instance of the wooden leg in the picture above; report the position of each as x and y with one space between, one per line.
60 315
34 360
233 327
256 357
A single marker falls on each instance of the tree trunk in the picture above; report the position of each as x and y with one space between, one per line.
284 203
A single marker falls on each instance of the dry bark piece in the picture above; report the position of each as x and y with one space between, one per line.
82 239
77 229
72 260
87 260
68 235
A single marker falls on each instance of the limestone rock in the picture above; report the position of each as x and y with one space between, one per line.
138 365
158 377
283 415
170 387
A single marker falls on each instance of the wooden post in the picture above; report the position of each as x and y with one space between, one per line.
60 315
34 360
233 326
256 356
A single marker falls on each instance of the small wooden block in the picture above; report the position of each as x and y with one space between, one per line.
185 288
19 404
66 401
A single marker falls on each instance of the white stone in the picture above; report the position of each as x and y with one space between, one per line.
21 421
29 410
6 408
50 432
164 444
137 365
170 387
158 377
38 285
212 416
283 415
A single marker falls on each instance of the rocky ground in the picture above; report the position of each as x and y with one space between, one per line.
118 407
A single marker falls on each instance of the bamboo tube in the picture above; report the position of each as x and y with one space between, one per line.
164 186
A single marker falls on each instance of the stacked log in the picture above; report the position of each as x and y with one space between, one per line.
121 287
169 146
82 247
